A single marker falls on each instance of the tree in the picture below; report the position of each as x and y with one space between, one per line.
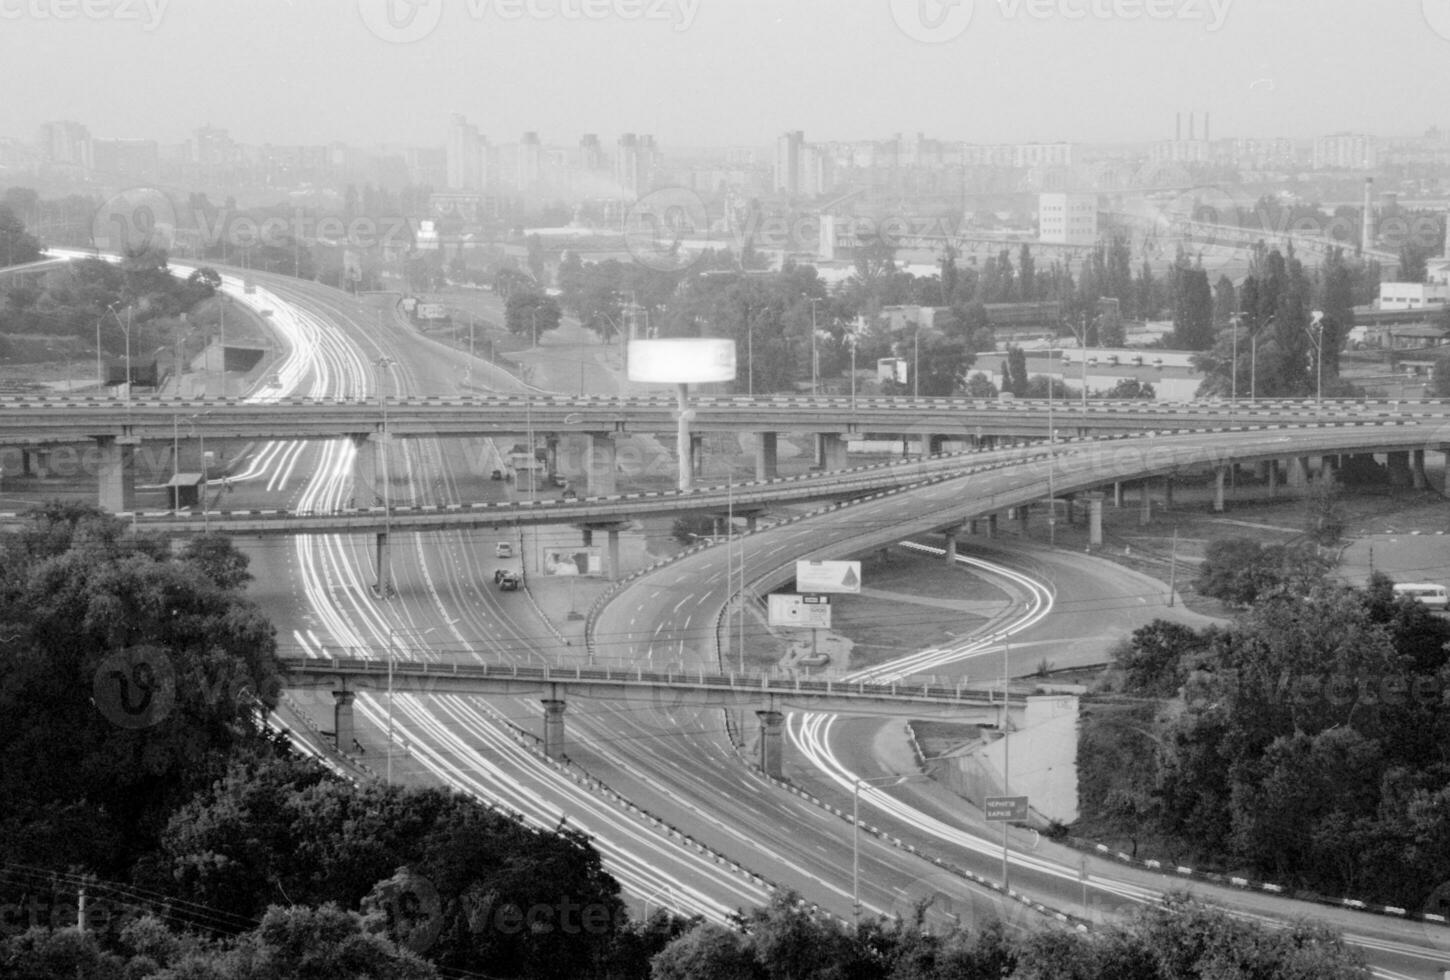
531 314
302 943
707 952
1240 571
1130 388
17 246
131 677
1014 372
1192 310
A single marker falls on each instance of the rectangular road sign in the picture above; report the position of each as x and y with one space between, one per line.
828 576
783 609
1006 807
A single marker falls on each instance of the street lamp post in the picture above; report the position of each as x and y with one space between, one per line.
815 361
1234 322
1316 324
916 362
392 635
1051 459
385 581
534 317
856 783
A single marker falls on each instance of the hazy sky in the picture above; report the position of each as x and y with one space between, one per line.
723 71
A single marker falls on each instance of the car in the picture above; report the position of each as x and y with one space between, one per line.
558 480
508 581
503 550
570 494
496 475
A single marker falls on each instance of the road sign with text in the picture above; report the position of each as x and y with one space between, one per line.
1006 807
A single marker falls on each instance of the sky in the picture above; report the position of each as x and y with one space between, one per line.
723 72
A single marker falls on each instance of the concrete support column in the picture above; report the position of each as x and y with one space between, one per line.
344 726
117 472
1145 502
1168 493
765 457
931 445
1417 470
1095 520
35 462
384 583
599 477
1298 471
1273 473
1328 468
1069 509
972 526
832 450
697 458
991 525
951 548
1398 464
1118 494
769 749
614 570
554 728
1022 516
750 520
1218 475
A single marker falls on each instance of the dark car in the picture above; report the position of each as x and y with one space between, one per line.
508 581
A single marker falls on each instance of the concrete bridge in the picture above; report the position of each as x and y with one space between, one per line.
580 433
770 695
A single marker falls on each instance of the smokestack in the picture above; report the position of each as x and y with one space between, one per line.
1366 231
1205 127
1192 127
1177 126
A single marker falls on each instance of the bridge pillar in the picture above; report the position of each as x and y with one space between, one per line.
1218 475
1398 465
1168 493
117 472
932 444
972 526
1145 502
35 462
1023 513
951 548
344 726
1069 509
765 457
384 584
991 525
831 451
1298 471
600 456
696 461
1118 494
1328 468
1273 475
1095 519
750 520
1417 470
614 571
769 749
554 728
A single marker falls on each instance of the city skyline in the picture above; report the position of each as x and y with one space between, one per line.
696 74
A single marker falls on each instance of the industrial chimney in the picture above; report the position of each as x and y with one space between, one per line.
1177 126
1205 127
1192 129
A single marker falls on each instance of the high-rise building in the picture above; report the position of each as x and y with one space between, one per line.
65 144
1345 151
788 161
126 159
467 156
1067 219
591 152
530 161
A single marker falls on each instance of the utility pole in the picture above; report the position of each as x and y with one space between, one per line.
1172 564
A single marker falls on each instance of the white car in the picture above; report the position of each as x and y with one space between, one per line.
503 550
